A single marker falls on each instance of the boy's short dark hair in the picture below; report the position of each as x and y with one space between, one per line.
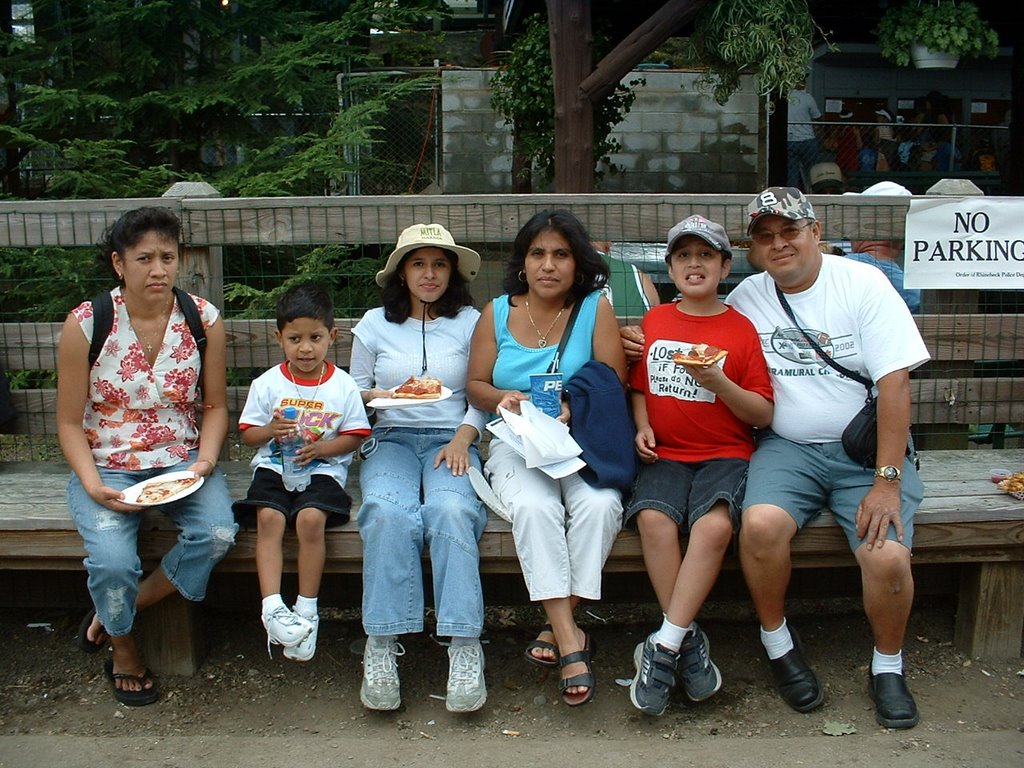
305 300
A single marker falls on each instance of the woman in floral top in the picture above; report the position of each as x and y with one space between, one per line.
130 417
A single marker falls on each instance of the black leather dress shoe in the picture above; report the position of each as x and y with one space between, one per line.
796 681
894 704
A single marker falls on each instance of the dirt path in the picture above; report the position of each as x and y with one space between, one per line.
245 709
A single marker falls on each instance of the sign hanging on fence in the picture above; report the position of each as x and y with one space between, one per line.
963 243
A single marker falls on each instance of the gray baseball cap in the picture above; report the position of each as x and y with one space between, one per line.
711 233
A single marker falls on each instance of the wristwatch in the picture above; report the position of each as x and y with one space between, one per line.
889 473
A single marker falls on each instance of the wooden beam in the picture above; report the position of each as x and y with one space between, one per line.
570 43
636 46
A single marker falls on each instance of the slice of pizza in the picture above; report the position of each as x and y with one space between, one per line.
419 388
159 491
700 354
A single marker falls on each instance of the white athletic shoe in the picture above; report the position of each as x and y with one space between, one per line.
306 648
467 690
380 688
285 628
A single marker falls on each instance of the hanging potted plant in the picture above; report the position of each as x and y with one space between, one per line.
935 34
770 39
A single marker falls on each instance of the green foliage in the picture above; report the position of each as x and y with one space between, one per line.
86 166
771 39
349 278
523 91
43 284
176 88
955 28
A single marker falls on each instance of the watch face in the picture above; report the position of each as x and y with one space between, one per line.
889 473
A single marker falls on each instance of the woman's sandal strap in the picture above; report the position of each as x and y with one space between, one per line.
585 680
576 657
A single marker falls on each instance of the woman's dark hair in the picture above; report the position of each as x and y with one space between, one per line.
398 304
591 269
305 300
132 227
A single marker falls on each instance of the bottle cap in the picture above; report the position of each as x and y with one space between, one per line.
290 412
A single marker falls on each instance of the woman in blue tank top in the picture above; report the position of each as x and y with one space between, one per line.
564 528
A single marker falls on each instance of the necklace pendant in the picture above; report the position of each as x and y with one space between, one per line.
542 343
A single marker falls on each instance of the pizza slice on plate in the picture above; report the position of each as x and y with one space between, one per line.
700 354
160 491
419 388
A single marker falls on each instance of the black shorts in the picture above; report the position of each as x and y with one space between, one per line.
267 490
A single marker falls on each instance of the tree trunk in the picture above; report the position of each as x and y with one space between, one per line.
571 40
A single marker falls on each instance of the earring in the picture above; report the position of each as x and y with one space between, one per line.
522 276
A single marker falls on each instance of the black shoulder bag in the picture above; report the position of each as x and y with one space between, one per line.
860 438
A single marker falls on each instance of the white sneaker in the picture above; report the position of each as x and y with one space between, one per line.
285 628
306 648
380 688
467 690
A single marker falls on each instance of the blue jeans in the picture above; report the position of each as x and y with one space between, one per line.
207 531
408 504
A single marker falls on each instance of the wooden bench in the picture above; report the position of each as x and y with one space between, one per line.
919 182
965 523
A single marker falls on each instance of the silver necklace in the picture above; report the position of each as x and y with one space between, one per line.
542 338
319 381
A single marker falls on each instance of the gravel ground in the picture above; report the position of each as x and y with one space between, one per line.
247 708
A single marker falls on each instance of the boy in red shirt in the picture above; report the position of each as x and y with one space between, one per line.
694 439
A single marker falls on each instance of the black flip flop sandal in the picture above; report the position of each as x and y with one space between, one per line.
138 698
82 638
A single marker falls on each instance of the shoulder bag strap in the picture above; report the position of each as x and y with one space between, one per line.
556 360
827 359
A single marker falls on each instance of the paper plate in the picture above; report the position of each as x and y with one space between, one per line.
131 494
407 402
487 495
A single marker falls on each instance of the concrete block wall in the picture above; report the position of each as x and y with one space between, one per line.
675 139
476 145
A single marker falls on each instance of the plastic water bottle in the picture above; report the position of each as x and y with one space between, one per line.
295 477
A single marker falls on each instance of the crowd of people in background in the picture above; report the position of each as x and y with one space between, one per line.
823 155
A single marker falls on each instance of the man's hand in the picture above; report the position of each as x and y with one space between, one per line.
877 511
632 342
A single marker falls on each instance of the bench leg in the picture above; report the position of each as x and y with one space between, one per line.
172 636
990 611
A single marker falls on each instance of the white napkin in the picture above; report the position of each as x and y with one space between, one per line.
544 442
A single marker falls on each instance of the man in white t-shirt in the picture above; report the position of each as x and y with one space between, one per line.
855 316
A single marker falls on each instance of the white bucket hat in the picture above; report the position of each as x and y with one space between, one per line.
425 236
